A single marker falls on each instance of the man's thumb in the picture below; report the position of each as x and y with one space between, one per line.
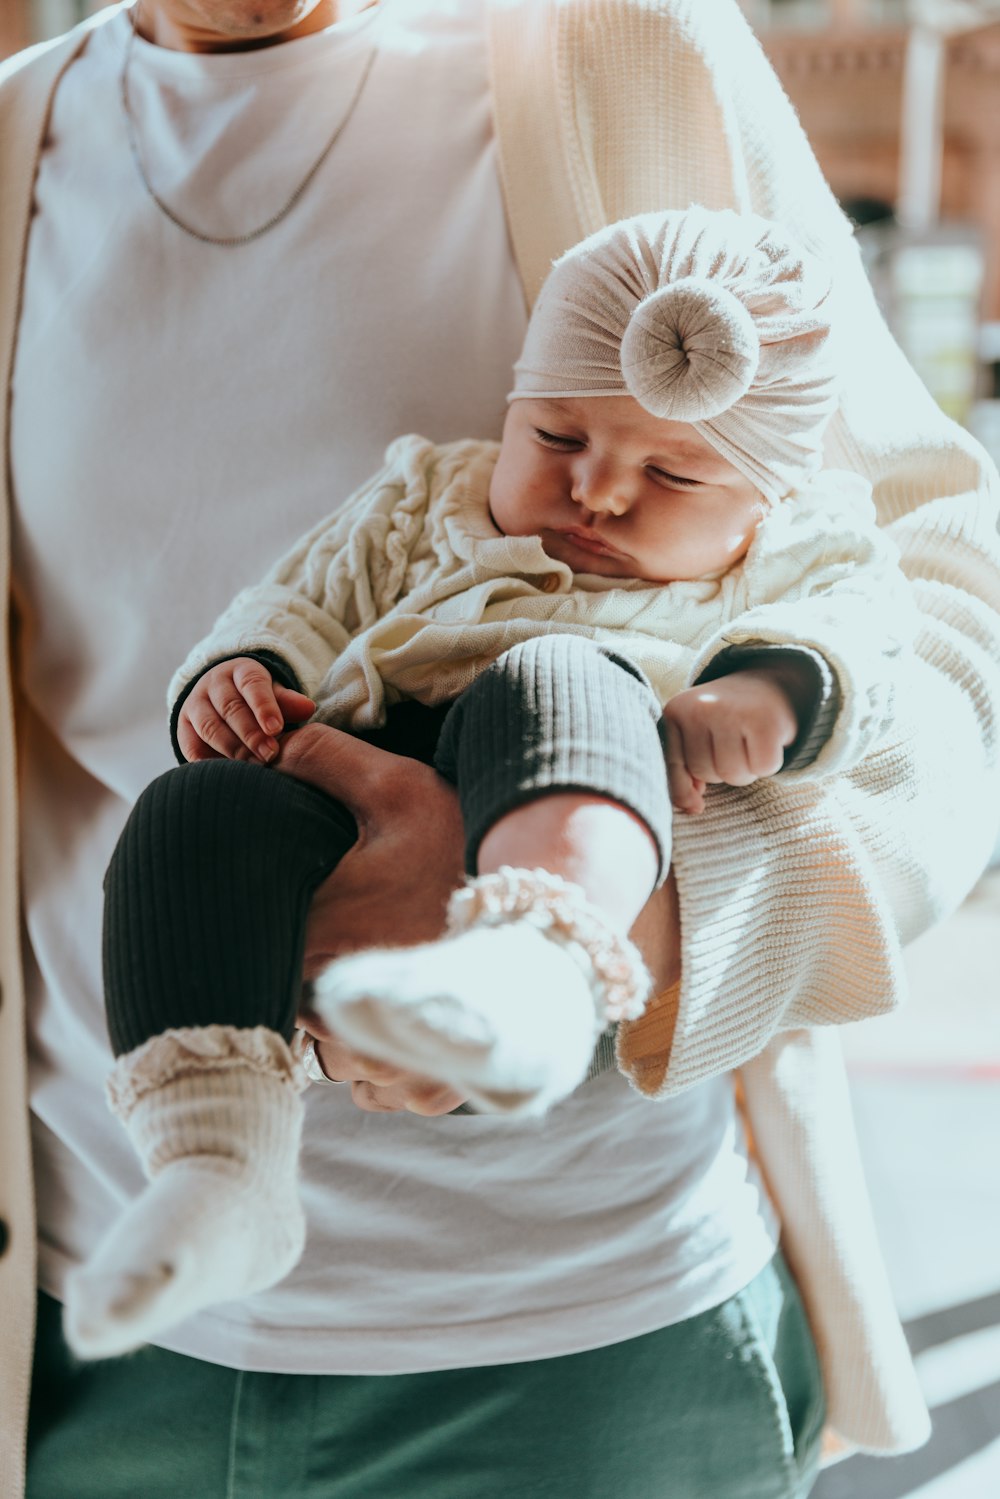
339 764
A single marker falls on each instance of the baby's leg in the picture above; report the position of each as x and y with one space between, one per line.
205 908
557 756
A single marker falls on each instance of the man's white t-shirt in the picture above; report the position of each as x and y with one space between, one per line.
183 411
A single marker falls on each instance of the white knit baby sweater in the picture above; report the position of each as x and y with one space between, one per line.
409 590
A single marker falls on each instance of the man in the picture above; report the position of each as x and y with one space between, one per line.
235 210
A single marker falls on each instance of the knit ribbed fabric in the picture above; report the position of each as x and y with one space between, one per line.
206 899
213 1091
195 1054
556 714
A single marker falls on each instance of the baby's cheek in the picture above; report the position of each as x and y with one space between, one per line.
497 505
513 510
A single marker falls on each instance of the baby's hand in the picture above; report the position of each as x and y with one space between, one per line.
235 711
734 729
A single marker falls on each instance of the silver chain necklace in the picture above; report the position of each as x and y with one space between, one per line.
276 218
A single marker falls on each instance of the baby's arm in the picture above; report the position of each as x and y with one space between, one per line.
824 595
235 711
334 583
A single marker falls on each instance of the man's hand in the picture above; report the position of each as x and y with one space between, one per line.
735 730
377 1087
391 889
235 711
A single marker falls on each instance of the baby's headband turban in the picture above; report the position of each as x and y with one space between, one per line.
709 317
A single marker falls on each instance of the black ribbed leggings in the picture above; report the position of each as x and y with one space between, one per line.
208 890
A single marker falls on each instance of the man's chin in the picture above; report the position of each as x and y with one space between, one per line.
233 22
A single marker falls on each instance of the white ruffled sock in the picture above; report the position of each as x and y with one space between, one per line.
215 1115
506 1009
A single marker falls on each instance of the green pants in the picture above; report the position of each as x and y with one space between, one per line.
727 1405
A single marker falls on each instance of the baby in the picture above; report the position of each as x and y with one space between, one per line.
653 531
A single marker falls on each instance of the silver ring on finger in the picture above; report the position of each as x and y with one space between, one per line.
304 1051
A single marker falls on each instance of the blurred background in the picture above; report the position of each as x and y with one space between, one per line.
901 100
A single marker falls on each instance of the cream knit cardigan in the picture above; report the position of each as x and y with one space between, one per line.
605 108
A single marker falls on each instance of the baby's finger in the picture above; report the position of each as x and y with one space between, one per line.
294 706
765 751
699 750
685 795
696 797
228 702
191 746
683 791
256 686
732 760
212 732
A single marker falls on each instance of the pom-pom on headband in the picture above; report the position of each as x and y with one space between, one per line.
709 317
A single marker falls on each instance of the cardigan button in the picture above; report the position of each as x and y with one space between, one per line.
550 583
4 1238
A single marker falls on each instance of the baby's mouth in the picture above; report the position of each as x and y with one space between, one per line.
589 541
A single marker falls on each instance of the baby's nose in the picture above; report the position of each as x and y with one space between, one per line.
603 494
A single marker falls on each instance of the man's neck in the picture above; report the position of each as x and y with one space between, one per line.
236 25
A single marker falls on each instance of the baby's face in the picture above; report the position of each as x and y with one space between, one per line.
612 490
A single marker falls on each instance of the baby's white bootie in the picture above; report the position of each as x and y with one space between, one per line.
508 1006
215 1115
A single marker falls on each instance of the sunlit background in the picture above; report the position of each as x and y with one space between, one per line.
901 100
